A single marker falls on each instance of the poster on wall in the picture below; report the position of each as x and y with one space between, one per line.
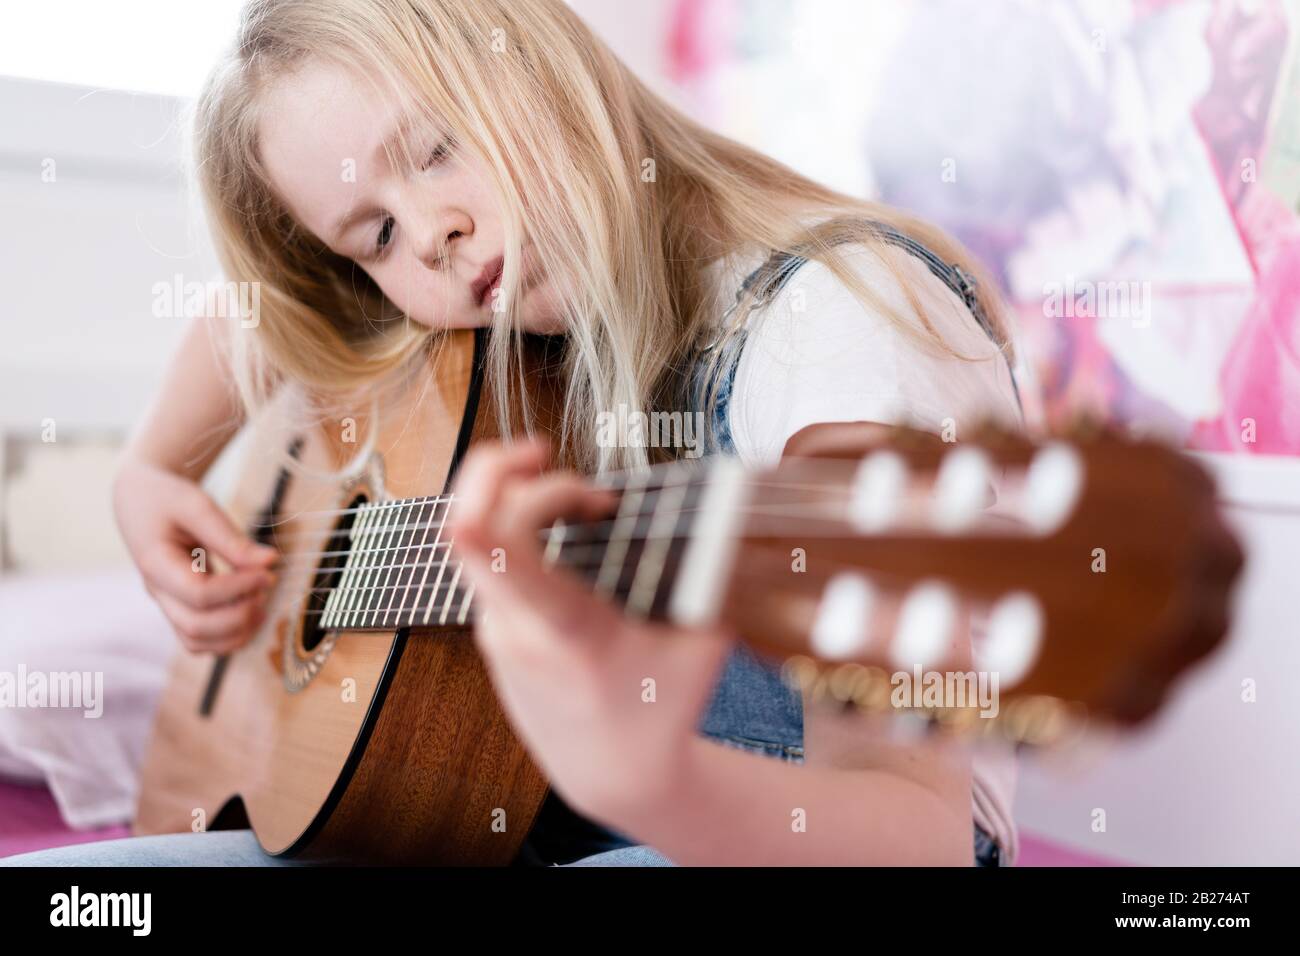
1128 171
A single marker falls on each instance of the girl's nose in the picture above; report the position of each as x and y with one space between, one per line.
439 235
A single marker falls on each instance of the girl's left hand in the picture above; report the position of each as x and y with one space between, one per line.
606 705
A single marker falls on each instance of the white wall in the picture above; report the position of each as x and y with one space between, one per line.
81 254
95 214
636 31
1214 780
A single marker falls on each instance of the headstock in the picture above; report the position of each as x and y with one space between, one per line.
1093 570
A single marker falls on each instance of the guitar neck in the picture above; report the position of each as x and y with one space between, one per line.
398 565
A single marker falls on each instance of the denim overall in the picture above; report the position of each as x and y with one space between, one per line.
752 708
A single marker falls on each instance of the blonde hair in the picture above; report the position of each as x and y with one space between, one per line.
626 200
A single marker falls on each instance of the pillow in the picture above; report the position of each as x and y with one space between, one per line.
96 644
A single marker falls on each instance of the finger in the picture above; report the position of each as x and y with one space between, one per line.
538 504
217 630
483 476
213 529
173 574
539 600
527 507
195 640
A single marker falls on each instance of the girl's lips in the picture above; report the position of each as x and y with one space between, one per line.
491 280
492 287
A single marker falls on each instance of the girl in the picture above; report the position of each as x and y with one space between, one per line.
390 169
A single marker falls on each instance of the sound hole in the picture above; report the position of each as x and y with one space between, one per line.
328 574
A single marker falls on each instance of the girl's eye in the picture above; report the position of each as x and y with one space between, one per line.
439 154
385 234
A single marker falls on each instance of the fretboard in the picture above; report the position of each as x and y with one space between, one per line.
401 570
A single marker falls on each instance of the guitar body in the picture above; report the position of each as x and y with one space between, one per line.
364 747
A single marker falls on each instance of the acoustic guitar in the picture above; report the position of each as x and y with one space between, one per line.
359 724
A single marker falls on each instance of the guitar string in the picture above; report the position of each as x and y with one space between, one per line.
780 509
436 593
831 468
649 497
573 560
988 524
575 556
597 481
813 510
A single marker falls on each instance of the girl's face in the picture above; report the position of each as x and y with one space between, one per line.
431 237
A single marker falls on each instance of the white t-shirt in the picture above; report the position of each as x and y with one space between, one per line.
815 354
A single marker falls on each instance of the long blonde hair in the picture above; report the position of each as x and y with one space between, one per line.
626 200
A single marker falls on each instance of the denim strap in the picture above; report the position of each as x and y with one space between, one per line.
781 266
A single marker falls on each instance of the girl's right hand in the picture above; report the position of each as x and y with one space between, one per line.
164 517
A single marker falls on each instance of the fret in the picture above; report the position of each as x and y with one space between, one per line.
393 561
442 570
667 510
620 536
382 565
397 567
360 590
342 594
554 542
424 520
351 569
330 617
365 558
398 571
332 599
451 593
711 545
433 555
463 614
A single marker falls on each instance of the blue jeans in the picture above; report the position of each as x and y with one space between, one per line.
240 848
236 848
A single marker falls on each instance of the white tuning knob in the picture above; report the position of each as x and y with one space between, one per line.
961 489
877 492
925 625
843 617
1052 486
1014 635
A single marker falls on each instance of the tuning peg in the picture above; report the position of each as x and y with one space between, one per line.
1013 637
961 721
800 672
925 625
840 629
1039 720
866 687
1053 483
961 488
877 492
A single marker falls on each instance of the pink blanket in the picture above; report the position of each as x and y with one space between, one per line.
29 820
